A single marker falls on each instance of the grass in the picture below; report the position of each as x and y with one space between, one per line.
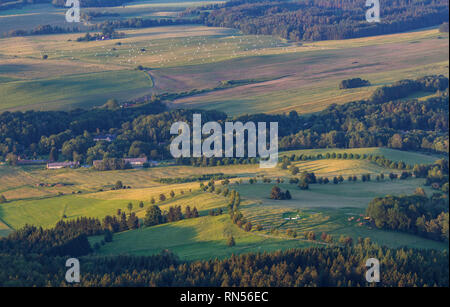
201 238
84 90
4 229
46 212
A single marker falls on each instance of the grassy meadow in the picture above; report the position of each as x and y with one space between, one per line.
193 239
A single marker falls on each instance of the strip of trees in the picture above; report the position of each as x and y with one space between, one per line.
323 19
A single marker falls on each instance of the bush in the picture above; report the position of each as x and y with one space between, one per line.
108 236
353 83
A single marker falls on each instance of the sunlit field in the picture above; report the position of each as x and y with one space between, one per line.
181 58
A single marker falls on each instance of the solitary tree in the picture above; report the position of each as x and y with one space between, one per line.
231 241
118 185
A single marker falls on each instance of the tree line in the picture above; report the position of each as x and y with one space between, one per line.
322 19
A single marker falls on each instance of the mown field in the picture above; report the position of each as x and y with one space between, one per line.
302 77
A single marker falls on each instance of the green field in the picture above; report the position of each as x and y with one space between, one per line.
201 238
322 209
46 212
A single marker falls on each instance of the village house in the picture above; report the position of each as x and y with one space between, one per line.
60 165
136 162
105 137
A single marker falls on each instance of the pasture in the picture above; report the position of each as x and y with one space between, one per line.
193 239
46 212
23 183
33 198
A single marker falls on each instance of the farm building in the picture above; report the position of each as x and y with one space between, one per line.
105 137
60 165
136 162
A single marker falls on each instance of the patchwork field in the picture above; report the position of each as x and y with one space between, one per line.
46 212
25 183
182 58
324 208
392 154
32 194
32 16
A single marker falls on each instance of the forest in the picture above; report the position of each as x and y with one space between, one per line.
323 19
381 121
334 266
